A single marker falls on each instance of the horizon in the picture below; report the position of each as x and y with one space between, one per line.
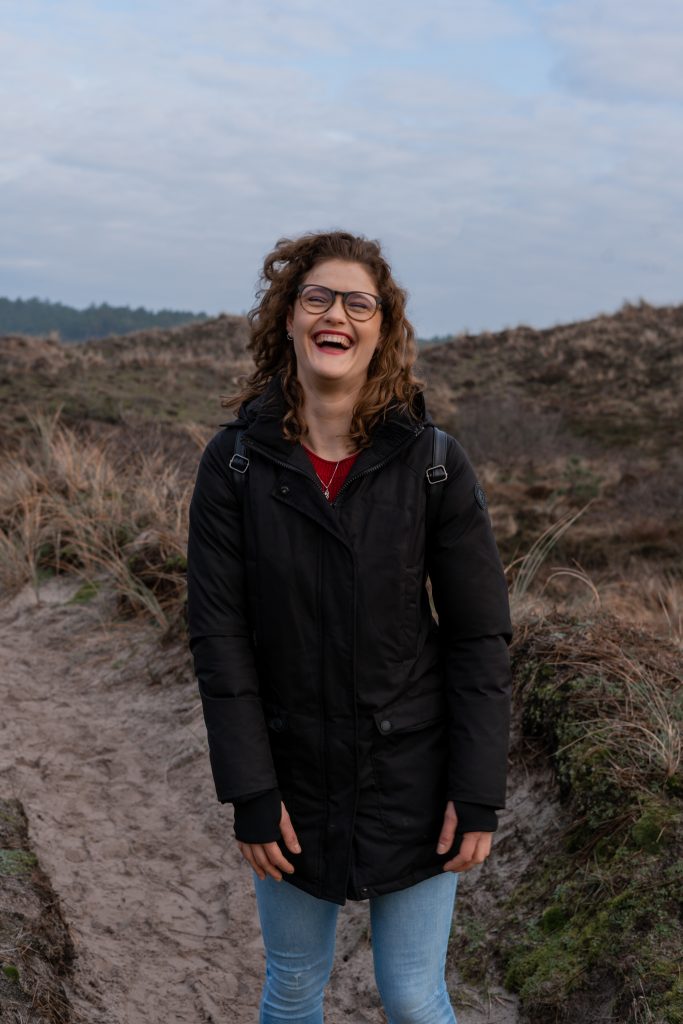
421 338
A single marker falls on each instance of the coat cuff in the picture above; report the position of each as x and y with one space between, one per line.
475 817
257 818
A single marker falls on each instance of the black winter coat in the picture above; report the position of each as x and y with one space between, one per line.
321 669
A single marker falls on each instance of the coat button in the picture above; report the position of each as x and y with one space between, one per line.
364 890
284 490
276 724
385 725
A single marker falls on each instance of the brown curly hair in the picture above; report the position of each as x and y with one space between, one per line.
390 382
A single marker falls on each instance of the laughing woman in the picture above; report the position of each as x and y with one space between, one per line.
363 745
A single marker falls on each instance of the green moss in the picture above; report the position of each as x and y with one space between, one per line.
653 829
600 915
623 934
85 592
17 862
671 1002
553 919
11 972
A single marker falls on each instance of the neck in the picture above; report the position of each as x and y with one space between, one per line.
327 410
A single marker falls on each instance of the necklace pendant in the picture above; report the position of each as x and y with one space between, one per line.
327 493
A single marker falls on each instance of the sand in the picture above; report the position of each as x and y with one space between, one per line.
103 741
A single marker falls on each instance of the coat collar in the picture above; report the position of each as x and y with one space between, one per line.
263 417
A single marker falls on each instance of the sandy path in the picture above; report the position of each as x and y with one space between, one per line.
102 739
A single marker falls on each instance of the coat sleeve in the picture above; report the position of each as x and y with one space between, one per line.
471 600
220 634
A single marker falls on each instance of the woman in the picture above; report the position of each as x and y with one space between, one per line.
363 746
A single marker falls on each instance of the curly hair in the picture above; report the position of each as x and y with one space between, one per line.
390 381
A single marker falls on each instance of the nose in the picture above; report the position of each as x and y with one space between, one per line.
336 312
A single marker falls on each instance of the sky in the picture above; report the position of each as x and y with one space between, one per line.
519 160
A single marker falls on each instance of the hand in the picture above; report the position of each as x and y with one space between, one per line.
474 848
267 858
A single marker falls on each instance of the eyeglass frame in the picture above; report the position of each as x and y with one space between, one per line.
334 293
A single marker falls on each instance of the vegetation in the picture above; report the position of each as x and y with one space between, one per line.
577 436
594 931
40 317
35 947
70 506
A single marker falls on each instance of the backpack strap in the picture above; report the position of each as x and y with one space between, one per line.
436 474
239 461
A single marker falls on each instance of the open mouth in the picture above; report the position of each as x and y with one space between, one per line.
332 342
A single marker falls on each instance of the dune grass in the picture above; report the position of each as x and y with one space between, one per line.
77 506
596 929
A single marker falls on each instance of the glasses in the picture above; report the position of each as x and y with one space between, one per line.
315 298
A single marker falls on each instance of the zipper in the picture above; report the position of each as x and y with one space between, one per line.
378 465
279 462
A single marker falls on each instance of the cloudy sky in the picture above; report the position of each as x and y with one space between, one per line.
519 159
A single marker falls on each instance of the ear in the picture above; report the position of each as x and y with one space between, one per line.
290 320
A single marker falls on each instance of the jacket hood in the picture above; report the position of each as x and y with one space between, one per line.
263 416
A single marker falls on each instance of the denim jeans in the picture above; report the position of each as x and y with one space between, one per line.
410 931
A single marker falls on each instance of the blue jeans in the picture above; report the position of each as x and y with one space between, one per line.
410 931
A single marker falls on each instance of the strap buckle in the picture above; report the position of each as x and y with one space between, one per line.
240 463
436 474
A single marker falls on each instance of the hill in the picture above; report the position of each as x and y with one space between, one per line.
576 436
554 420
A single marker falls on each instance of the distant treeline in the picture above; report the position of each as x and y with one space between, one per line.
39 316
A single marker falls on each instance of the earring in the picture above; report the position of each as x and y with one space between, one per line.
289 337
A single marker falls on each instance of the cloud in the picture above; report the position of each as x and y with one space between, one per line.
617 51
154 153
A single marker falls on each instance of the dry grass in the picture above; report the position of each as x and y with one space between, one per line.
624 710
115 502
528 566
68 505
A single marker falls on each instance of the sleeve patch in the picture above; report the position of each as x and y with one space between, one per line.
480 497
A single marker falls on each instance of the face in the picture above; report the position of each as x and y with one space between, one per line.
331 346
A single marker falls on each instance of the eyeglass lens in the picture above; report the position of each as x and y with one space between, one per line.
318 299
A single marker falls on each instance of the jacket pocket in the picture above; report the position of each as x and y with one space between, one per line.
412 713
410 767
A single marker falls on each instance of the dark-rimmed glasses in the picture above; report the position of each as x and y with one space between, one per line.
316 298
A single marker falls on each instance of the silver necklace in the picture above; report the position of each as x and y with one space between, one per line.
326 486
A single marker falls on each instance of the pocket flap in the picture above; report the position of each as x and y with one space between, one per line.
411 713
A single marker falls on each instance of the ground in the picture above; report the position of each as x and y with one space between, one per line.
114 775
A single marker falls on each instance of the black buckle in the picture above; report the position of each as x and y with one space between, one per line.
240 463
437 474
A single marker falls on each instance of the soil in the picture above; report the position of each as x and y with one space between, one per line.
103 742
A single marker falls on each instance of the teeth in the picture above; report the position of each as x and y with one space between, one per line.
332 339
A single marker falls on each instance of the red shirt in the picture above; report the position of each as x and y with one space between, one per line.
331 473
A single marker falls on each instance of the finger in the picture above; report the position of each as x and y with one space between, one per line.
463 858
277 858
248 855
458 864
447 834
288 833
474 850
483 847
263 861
